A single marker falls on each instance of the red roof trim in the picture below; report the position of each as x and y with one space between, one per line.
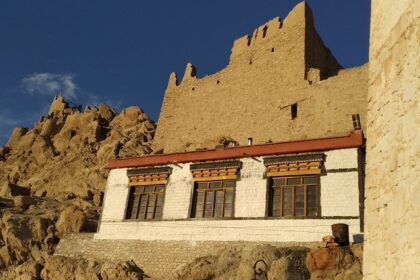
355 139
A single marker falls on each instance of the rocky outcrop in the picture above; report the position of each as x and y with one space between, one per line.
52 179
71 220
67 150
344 263
264 262
28 234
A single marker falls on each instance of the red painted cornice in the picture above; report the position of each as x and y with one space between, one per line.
355 139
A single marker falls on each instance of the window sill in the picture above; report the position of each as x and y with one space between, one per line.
246 218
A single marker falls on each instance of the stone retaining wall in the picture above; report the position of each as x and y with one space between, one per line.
158 259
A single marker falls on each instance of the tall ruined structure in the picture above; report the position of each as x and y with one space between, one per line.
281 84
392 245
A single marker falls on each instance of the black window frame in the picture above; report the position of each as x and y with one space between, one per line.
280 213
195 199
153 197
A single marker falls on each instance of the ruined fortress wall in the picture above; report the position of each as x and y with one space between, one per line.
282 63
392 246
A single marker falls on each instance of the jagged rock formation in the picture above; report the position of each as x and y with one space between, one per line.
272 263
29 231
248 263
52 179
67 150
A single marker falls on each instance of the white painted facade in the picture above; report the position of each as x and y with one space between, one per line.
339 201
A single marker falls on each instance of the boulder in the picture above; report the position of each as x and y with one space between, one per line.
4 151
71 220
17 134
22 202
28 270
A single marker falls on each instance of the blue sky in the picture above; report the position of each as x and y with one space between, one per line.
122 52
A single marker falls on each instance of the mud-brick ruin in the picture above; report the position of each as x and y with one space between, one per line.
283 68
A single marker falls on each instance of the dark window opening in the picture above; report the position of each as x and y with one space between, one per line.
294 111
296 196
250 61
264 31
272 49
213 199
146 202
218 82
193 89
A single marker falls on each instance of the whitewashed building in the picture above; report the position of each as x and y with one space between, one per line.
274 192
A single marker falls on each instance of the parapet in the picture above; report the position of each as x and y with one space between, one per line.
260 36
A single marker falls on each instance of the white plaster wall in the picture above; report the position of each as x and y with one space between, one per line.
339 197
392 247
340 194
276 230
344 158
178 193
115 197
251 189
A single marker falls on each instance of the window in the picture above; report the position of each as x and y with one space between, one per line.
146 202
213 199
294 111
294 196
265 31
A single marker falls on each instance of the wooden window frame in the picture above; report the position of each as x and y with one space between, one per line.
294 187
232 189
131 199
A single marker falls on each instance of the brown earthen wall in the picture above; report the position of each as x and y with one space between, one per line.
252 96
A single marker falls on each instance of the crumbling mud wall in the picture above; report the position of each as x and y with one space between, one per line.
284 66
392 245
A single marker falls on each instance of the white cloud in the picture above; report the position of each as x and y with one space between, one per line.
51 84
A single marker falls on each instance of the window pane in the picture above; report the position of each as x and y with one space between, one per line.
150 212
214 185
294 181
218 210
287 212
208 210
159 201
152 199
135 205
276 207
299 212
312 199
228 210
229 184
158 212
149 189
310 180
300 197
199 205
279 181
160 189
287 201
312 212
209 198
219 197
202 186
229 197
138 190
142 208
